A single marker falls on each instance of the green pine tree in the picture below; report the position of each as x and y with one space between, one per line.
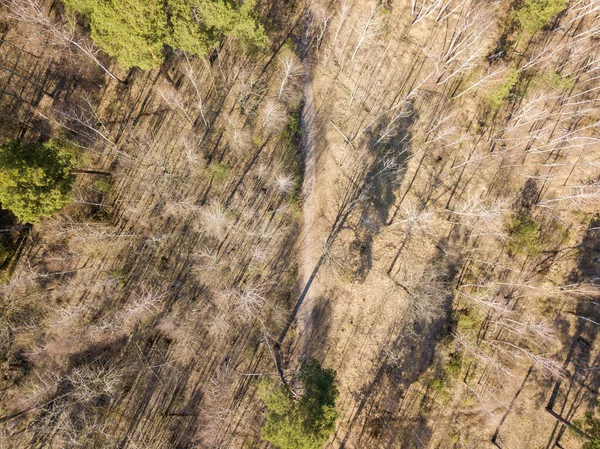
35 178
304 423
533 15
136 31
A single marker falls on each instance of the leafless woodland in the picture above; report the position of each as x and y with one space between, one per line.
144 315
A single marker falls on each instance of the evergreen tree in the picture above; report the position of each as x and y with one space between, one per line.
304 423
533 15
35 178
136 31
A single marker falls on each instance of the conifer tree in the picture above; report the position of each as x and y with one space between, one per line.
35 178
136 31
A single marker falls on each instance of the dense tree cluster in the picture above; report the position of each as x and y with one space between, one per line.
136 31
533 15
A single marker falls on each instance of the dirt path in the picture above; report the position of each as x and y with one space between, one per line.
310 251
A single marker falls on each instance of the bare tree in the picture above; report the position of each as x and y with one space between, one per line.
31 12
193 77
216 219
579 194
173 99
291 70
274 117
368 30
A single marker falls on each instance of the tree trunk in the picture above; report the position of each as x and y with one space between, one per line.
81 171
16 228
165 72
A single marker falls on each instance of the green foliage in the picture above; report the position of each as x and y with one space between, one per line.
294 128
304 423
35 178
437 384
135 31
103 185
533 15
524 234
496 98
454 366
219 171
591 427
554 80
5 255
292 136
258 141
466 321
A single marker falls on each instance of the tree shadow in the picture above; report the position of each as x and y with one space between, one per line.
389 143
581 388
316 335
383 402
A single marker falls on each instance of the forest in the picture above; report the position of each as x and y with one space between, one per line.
299 224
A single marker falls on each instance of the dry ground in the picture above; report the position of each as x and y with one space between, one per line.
145 314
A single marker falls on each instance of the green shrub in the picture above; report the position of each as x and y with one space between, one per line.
437 384
533 15
304 423
258 141
466 322
294 128
103 185
524 234
554 80
495 99
219 171
5 255
454 365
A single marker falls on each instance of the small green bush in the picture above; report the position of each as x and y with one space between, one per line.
524 234
466 322
258 141
555 81
5 255
294 128
533 15
103 186
437 384
495 99
454 365
304 423
219 171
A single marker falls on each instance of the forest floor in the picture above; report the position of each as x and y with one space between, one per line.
393 264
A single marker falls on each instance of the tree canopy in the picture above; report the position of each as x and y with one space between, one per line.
136 31
35 178
533 15
304 423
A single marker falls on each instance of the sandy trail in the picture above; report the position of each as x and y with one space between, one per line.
310 254
310 250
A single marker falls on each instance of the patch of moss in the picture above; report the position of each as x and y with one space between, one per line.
466 322
219 171
524 234
258 141
454 365
554 81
